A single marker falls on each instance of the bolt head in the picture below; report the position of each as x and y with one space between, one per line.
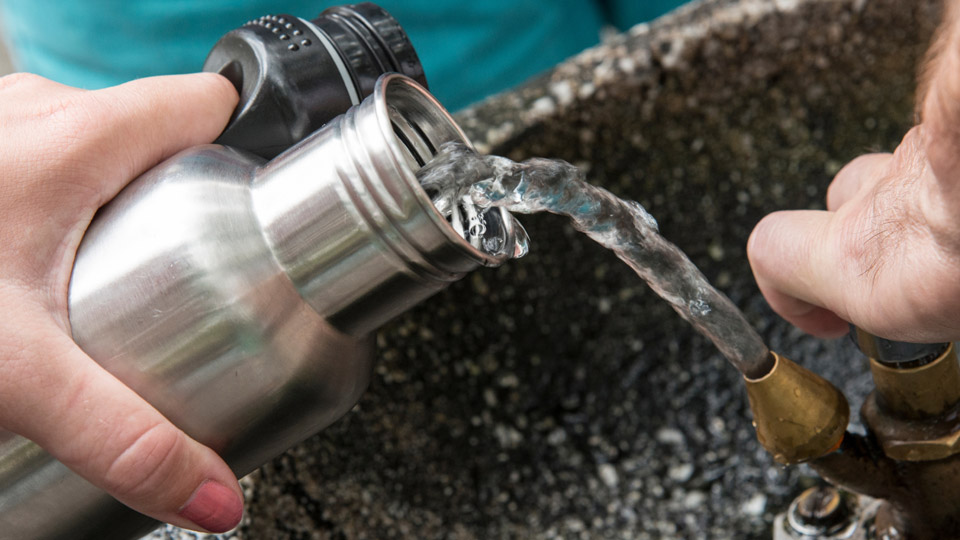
819 511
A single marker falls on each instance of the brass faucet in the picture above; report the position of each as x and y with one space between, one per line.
909 457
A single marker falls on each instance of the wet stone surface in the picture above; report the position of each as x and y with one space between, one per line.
557 397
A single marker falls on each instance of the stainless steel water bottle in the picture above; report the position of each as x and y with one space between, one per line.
237 296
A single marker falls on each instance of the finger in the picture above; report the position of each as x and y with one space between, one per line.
152 119
941 104
810 318
58 397
109 136
75 149
863 171
789 255
22 89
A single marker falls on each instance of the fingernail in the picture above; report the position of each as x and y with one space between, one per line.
214 507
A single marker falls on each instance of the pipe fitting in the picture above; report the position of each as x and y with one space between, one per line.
914 411
895 353
820 511
798 415
919 392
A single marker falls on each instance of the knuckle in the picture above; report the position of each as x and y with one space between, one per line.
835 191
145 464
41 101
41 106
849 178
68 118
911 144
20 80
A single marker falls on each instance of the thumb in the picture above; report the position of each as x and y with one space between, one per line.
83 416
789 254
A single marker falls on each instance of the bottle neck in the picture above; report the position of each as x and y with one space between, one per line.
347 220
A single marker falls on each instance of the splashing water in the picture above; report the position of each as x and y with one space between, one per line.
467 186
447 179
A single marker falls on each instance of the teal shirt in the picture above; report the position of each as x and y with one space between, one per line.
469 50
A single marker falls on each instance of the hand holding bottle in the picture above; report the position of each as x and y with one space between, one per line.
66 153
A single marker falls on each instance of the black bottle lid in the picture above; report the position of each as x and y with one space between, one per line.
294 76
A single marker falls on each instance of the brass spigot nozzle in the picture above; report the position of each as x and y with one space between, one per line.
798 415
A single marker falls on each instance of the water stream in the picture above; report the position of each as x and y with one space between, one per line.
465 186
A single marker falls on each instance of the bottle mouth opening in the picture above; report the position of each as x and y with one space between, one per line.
417 125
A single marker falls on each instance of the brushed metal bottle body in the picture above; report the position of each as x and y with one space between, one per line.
236 296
